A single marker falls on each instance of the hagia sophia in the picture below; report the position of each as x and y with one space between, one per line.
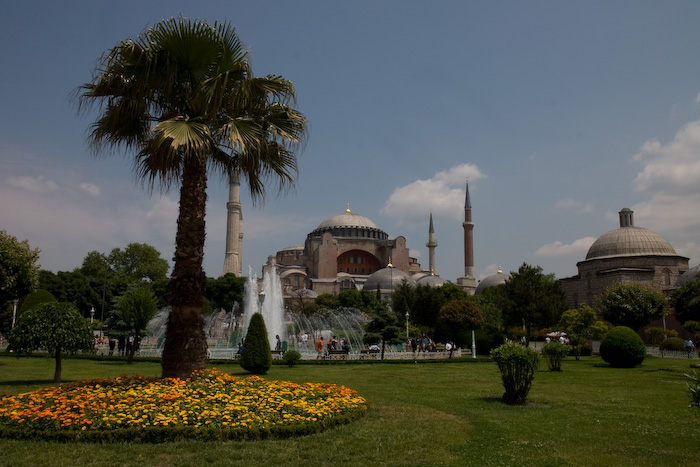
348 251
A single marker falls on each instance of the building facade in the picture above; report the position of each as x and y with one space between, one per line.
626 254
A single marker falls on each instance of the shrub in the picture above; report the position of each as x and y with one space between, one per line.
555 353
694 388
256 357
672 343
622 348
518 366
291 358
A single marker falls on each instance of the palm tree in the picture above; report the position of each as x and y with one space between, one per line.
181 98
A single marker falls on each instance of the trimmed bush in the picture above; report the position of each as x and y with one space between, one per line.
256 357
622 348
518 365
672 343
291 358
555 353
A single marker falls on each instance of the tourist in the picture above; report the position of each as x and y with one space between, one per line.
414 344
112 345
319 347
278 345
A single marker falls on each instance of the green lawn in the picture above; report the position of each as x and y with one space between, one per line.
424 414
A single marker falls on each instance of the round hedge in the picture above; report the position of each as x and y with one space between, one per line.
622 348
672 343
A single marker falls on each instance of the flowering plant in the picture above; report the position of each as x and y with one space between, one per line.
208 399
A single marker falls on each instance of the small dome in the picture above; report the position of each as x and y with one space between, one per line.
387 279
628 240
431 280
689 275
492 281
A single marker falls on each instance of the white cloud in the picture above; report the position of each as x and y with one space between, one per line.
673 168
443 195
32 184
578 248
90 188
580 206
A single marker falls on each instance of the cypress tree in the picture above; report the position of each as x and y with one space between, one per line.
256 357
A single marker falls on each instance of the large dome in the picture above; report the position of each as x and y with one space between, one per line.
628 240
347 219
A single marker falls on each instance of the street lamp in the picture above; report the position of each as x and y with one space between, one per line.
92 314
407 315
261 299
14 313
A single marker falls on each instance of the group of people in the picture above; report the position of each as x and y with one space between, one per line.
421 344
323 350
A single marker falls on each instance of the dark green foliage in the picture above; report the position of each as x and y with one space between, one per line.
33 299
18 268
532 298
225 291
488 339
518 365
555 353
291 358
685 301
622 348
134 310
383 328
54 327
456 320
631 305
256 357
672 343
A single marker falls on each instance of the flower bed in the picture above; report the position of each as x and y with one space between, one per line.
210 405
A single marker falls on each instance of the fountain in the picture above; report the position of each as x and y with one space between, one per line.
272 306
224 331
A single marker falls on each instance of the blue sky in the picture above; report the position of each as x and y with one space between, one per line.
560 113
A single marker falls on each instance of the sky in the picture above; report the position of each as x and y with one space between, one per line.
559 113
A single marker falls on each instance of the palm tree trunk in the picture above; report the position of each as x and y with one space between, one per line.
185 343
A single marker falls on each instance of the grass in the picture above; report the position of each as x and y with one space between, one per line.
424 414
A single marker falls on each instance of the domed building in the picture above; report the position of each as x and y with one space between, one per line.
625 254
342 253
492 281
387 280
689 276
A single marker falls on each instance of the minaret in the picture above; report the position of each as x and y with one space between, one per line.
468 282
234 229
431 246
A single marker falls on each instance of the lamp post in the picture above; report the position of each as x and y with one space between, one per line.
92 314
407 315
261 299
14 312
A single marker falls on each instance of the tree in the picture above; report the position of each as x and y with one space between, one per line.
685 301
19 273
225 291
182 98
382 328
257 356
532 298
139 262
578 325
52 326
456 319
632 305
134 310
